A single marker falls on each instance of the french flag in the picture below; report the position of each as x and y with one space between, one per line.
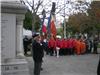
44 28
52 26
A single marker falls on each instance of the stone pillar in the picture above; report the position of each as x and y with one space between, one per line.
12 57
19 26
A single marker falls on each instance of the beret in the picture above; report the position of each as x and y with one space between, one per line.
35 35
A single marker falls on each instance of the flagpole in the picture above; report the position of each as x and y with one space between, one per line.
48 27
33 17
43 18
51 14
64 22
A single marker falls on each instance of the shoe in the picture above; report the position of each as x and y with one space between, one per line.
41 69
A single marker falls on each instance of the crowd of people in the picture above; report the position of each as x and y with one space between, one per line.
70 46
58 47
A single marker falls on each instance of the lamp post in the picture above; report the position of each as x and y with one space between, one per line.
64 22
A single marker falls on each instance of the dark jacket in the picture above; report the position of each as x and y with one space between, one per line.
37 51
96 41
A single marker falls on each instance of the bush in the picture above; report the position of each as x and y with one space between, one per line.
99 45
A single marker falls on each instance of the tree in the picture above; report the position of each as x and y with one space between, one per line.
77 7
68 6
28 20
89 23
78 22
59 31
34 9
94 14
37 23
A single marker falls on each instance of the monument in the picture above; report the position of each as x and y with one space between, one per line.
13 61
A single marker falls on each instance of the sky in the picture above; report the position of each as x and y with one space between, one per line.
47 5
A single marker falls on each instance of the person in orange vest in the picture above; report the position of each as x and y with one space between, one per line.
83 46
51 45
74 46
78 47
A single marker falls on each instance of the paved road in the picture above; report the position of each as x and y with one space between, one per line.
68 65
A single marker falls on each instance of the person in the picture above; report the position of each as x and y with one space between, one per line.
52 45
37 51
45 46
61 52
71 46
86 40
82 46
58 42
77 47
25 43
95 44
91 45
64 46
98 68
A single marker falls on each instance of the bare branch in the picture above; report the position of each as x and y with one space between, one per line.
29 3
46 5
38 5
22 1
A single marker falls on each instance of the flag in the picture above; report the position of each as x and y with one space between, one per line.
52 26
44 29
48 27
51 22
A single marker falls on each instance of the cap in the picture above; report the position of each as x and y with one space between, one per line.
58 36
35 35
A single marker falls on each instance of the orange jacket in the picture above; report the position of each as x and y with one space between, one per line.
83 47
78 47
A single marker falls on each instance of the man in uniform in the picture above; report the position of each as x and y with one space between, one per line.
37 53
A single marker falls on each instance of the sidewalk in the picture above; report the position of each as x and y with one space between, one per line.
68 65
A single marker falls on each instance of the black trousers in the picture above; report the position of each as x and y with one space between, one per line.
95 49
61 51
69 51
47 50
51 51
37 68
64 51
25 49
